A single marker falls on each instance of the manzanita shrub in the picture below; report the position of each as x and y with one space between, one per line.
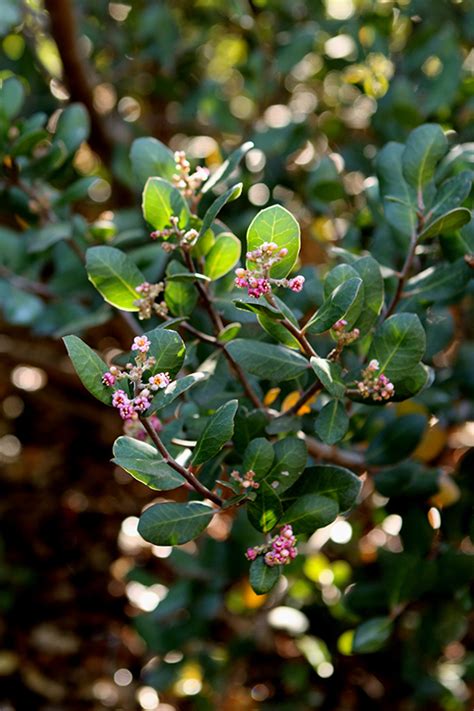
247 383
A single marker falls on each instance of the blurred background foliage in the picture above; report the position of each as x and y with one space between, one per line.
96 617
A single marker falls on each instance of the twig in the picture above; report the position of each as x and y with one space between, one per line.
307 395
294 330
334 455
33 287
403 274
185 473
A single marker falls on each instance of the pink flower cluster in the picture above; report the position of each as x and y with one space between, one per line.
345 337
257 280
147 304
280 551
374 384
131 407
247 481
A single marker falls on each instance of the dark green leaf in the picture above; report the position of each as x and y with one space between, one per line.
89 367
337 306
329 373
170 524
218 430
290 460
145 464
211 213
439 283
368 270
47 236
263 577
425 146
267 360
448 222
332 422
399 344
372 635
165 397
328 480
151 158
73 127
265 511
397 440
400 212
310 512
451 194
12 96
258 457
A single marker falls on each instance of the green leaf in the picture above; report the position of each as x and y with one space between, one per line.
211 213
218 430
401 212
115 276
439 283
290 460
267 360
278 332
266 509
451 194
257 306
47 236
397 440
328 480
145 464
258 457
275 224
229 332
373 298
161 201
25 143
410 384
336 307
332 422
180 296
398 345
89 367
448 222
165 397
73 127
168 349
425 146
310 512
170 524
339 275
151 158
372 635
227 167
12 96
329 373
263 577
223 256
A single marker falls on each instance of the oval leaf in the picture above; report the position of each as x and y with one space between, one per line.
115 276
170 524
275 224
145 464
161 200
223 256
218 430
89 367
263 577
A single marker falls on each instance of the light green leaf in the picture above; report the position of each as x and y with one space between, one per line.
161 200
372 635
328 480
229 332
278 332
329 373
170 524
89 367
218 430
165 397
398 345
448 222
145 464
310 512
275 224
223 256
227 167
266 509
151 158
180 296
336 307
425 146
115 276
263 577
267 360
211 213
332 422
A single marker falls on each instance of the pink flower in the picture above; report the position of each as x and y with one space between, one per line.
120 398
108 379
141 343
127 412
373 365
159 381
297 283
141 403
251 554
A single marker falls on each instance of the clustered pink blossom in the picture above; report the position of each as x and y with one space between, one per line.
247 481
374 384
186 182
344 337
131 407
280 551
257 279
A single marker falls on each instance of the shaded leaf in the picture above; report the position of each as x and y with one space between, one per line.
170 524
145 464
218 430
